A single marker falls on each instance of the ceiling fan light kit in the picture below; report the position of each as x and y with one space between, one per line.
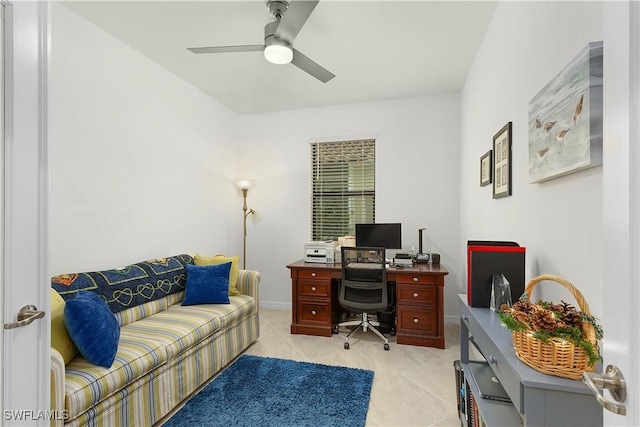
278 38
278 53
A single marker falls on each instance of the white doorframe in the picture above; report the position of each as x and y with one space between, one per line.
2 132
621 198
25 278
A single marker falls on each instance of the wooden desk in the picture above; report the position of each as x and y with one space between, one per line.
419 301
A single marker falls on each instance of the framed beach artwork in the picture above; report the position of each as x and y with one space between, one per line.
565 119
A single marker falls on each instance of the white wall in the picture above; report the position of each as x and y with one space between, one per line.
417 179
559 221
141 161
142 165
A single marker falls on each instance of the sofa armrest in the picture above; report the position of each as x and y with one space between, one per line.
248 281
57 388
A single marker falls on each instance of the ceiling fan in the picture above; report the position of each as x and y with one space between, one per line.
278 38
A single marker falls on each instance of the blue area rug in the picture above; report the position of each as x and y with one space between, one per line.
264 391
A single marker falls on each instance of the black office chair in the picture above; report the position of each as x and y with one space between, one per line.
363 288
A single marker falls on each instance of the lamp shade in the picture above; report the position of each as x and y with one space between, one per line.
244 184
278 54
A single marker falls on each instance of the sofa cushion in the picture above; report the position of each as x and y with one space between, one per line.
183 327
225 314
92 327
128 286
60 339
178 328
207 284
87 384
174 299
145 310
219 259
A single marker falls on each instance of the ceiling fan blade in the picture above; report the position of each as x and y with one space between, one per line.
295 17
309 66
223 49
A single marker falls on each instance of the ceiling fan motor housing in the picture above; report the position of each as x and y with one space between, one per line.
270 38
270 29
276 50
277 9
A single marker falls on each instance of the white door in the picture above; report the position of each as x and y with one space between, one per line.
621 175
24 275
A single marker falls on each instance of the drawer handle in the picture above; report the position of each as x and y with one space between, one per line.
415 295
313 274
415 320
313 288
313 312
415 279
492 360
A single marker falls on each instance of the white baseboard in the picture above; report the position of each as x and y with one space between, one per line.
276 305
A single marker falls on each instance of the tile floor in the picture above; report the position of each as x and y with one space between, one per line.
412 386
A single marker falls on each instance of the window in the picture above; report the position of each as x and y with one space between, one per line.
342 187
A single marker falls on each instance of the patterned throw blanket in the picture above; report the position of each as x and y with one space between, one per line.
129 286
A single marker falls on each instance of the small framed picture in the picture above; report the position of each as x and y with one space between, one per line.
501 166
486 171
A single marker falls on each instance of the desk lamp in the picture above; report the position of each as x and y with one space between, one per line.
422 256
244 185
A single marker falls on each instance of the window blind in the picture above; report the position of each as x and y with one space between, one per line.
342 187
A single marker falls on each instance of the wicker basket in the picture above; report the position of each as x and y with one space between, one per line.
557 356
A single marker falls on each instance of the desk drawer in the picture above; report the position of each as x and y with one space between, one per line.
418 319
415 278
314 288
314 312
501 367
423 295
314 274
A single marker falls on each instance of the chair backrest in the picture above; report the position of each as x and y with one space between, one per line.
364 279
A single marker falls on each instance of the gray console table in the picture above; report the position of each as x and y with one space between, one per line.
536 399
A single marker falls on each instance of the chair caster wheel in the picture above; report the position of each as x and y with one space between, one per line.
393 332
335 330
386 347
346 346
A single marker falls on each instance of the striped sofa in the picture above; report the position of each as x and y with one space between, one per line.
166 351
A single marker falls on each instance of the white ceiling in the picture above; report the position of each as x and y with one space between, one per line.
378 50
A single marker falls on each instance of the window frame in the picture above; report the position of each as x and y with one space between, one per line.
342 181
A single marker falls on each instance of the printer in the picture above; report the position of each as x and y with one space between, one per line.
320 252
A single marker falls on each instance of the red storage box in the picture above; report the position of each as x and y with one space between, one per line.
484 258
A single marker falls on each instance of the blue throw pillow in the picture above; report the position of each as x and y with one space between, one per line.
207 284
93 328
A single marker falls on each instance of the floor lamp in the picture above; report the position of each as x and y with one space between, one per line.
244 185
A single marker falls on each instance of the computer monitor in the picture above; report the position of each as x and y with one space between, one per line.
388 236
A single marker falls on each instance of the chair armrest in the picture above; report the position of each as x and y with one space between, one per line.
57 388
248 281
